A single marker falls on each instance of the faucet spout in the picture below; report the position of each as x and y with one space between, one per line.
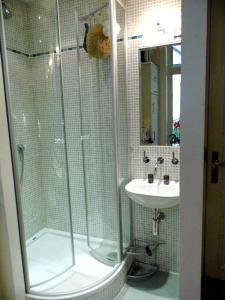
159 161
155 168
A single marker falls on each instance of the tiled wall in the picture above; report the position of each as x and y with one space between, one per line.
142 17
37 120
23 117
26 132
49 115
16 28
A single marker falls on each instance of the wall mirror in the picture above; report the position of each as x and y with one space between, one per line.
160 80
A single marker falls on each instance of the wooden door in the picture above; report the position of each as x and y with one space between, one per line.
215 189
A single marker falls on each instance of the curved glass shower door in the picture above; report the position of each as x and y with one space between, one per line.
98 145
36 117
103 126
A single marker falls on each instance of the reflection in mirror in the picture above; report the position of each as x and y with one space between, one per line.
160 80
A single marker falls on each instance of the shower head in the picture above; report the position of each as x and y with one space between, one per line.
7 14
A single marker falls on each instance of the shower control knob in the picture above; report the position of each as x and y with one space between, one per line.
174 160
145 158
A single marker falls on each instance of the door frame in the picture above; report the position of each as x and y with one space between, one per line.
193 95
13 285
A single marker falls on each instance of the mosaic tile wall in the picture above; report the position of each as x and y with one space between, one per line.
49 108
35 82
24 123
16 28
23 116
142 17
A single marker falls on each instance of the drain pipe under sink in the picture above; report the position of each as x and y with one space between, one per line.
157 217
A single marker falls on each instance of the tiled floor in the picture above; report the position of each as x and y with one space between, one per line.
162 286
49 254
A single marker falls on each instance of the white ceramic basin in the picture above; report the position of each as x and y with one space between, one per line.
154 195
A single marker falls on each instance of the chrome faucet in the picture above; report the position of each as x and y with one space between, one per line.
159 161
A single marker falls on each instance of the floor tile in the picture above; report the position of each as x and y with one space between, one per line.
162 286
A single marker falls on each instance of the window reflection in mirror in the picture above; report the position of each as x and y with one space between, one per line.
160 80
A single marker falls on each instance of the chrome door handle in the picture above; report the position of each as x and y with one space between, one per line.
218 163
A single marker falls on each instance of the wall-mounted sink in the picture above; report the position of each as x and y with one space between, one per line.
154 195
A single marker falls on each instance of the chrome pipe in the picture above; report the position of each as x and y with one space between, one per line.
155 223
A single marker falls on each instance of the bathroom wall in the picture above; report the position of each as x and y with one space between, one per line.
53 161
142 18
16 28
23 116
36 112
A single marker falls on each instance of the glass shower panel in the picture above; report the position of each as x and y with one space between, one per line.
36 116
98 141
122 124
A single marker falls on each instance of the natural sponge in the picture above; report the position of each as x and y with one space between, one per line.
98 45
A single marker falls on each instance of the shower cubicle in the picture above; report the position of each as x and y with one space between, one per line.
67 119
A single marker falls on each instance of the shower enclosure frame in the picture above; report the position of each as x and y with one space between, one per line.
112 9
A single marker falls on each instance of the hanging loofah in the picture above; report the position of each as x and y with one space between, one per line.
98 44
